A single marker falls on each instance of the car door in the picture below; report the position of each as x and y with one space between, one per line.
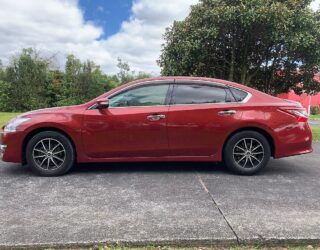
134 125
201 114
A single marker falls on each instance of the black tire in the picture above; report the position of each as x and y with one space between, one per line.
239 145
51 147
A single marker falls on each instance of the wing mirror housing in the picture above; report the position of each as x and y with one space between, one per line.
103 103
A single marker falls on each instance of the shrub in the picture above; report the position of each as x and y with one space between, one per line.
314 110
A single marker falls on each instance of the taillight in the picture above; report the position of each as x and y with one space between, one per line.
300 114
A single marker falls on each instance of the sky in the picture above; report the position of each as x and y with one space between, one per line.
99 30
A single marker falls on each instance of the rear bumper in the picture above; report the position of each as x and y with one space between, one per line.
295 140
11 146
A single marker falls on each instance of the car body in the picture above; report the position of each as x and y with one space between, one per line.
165 119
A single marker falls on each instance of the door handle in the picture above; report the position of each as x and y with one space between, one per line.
227 112
156 117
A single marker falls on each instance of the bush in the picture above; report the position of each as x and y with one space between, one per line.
5 89
314 110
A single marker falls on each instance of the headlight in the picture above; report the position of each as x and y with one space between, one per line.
12 125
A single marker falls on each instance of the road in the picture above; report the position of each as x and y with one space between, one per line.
163 203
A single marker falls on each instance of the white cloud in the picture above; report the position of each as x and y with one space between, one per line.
315 5
58 26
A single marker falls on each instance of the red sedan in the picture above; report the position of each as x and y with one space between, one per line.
161 119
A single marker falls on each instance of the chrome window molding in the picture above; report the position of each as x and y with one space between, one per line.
245 100
140 84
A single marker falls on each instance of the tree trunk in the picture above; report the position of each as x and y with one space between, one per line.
232 61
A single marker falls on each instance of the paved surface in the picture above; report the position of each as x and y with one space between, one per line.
314 123
167 203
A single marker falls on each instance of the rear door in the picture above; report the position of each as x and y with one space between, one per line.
201 114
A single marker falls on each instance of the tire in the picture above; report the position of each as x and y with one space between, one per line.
244 158
50 153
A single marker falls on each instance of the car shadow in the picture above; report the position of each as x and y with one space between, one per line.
275 167
153 167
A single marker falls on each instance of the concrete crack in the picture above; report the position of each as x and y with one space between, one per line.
216 205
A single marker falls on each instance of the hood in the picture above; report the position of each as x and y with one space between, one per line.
65 109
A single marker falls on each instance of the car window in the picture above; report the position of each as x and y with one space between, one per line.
141 96
238 94
200 93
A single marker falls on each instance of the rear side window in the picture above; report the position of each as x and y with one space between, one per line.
200 93
238 94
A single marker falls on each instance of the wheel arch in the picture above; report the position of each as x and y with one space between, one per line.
265 133
42 129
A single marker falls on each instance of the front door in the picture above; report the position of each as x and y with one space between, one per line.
134 125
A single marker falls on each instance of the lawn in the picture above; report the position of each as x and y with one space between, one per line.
316 133
315 117
5 117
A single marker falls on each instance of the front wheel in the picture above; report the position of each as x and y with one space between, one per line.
50 153
247 153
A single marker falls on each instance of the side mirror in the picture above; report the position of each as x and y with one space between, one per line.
103 103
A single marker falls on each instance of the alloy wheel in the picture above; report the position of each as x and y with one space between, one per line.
49 154
248 153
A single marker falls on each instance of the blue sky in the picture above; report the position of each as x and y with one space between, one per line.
96 30
108 14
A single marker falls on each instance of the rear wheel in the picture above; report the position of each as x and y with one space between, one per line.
50 153
247 153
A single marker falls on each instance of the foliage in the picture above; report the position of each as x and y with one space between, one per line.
314 110
29 83
271 45
27 76
126 75
5 89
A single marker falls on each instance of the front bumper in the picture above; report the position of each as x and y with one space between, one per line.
2 150
11 146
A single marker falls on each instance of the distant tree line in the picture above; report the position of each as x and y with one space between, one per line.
30 82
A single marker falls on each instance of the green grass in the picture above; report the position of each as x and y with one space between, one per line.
316 133
315 117
5 117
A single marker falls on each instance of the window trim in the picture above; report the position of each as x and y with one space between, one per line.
169 97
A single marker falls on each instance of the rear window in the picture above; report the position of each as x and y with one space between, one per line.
238 94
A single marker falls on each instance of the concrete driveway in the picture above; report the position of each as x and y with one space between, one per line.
314 123
167 203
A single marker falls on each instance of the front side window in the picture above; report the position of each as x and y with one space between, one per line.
141 96
200 94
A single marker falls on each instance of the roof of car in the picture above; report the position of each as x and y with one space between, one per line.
191 78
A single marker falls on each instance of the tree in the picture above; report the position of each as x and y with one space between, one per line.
271 45
125 75
28 82
5 100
